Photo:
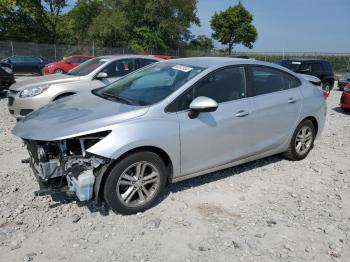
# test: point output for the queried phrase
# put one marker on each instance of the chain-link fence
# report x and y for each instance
(339, 61)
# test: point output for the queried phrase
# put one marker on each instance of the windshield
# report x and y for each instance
(88, 66)
(149, 85)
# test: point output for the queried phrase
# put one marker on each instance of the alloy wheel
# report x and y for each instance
(303, 140)
(138, 184)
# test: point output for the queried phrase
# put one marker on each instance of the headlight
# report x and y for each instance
(50, 66)
(7, 69)
(33, 91)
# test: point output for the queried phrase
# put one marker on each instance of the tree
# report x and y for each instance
(234, 26)
(201, 42)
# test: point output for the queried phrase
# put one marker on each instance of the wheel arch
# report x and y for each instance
(102, 177)
(61, 95)
(314, 122)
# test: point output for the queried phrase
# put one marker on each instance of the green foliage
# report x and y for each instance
(201, 42)
(234, 26)
(137, 24)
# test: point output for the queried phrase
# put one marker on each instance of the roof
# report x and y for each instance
(207, 62)
(129, 56)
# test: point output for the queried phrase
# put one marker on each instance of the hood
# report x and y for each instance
(74, 116)
(43, 80)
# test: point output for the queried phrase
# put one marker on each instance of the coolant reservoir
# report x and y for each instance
(84, 185)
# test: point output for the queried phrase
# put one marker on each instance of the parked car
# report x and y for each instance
(26, 64)
(345, 98)
(6, 76)
(29, 95)
(315, 67)
(66, 64)
(168, 122)
(344, 80)
(165, 57)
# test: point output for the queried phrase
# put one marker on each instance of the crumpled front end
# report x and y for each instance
(65, 165)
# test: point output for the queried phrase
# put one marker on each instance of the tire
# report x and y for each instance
(59, 71)
(296, 152)
(125, 185)
(327, 87)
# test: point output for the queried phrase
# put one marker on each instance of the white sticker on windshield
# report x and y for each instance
(296, 63)
(182, 68)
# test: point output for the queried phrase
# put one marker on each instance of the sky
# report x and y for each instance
(289, 25)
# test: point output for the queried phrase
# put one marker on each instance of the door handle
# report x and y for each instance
(292, 100)
(242, 113)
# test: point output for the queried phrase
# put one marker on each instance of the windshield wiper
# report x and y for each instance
(116, 97)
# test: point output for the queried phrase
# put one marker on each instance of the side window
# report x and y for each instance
(119, 68)
(83, 59)
(224, 85)
(305, 67)
(75, 60)
(17, 59)
(316, 68)
(268, 80)
(145, 62)
(327, 66)
(31, 59)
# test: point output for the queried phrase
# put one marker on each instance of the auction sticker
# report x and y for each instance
(182, 68)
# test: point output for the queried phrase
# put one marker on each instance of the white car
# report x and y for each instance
(29, 95)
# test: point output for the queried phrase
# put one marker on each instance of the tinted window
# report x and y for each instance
(83, 59)
(223, 85)
(119, 68)
(17, 59)
(327, 66)
(268, 80)
(316, 68)
(31, 59)
(75, 60)
(145, 62)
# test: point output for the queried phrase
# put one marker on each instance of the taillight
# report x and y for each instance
(325, 94)
(347, 88)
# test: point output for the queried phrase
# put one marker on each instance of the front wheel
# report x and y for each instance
(327, 87)
(302, 141)
(59, 71)
(135, 183)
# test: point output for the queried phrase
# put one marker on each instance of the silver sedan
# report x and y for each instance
(168, 122)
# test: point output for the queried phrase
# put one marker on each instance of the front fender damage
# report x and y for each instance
(66, 166)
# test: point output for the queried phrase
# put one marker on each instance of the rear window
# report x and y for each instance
(327, 66)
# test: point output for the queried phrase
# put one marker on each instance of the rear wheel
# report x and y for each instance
(59, 71)
(327, 87)
(135, 183)
(302, 141)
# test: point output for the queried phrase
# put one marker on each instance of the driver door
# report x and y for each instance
(216, 138)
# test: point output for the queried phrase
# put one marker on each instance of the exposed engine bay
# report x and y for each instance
(66, 164)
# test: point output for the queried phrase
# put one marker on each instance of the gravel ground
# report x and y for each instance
(267, 210)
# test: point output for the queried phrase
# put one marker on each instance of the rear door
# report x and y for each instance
(221, 137)
(276, 106)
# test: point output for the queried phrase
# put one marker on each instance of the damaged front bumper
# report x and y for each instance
(66, 165)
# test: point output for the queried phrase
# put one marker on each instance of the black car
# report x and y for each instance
(344, 80)
(26, 64)
(315, 67)
(6, 76)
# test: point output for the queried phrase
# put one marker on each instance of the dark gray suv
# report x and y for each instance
(319, 68)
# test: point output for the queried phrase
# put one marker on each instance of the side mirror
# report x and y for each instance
(101, 75)
(202, 104)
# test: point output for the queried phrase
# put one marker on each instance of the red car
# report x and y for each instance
(66, 64)
(165, 57)
(345, 98)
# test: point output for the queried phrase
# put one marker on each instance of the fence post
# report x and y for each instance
(13, 52)
(93, 47)
(54, 46)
